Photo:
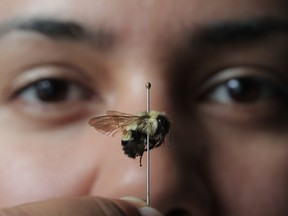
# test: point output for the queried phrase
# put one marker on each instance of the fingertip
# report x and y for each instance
(127, 207)
(149, 211)
(142, 207)
(135, 201)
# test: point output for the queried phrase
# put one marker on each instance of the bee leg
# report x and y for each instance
(140, 160)
(152, 144)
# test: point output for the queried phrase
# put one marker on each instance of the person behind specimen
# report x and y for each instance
(218, 70)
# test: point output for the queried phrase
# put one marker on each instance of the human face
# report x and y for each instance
(217, 68)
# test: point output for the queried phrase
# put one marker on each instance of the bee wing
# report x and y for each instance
(112, 123)
(117, 113)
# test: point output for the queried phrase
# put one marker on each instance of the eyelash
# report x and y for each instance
(51, 100)
(53, 90)
(245, 90)
(244, 85)
(262, 97)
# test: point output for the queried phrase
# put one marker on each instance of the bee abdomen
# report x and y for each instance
(134, 145)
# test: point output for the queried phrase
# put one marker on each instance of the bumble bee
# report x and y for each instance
(135, 129)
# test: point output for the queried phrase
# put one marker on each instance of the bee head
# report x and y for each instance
(163, 124)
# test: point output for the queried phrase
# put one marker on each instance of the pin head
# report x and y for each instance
(148, 85)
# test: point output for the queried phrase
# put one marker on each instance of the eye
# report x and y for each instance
(53, 98)
(244, 90)
(244, 86)
(245, 96)
(52, 90)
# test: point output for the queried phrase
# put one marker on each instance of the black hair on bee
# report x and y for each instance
(135, 129)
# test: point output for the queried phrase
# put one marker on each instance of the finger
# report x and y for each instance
(142, 206)
(84, 206)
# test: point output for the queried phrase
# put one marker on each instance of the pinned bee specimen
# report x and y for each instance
(135, 129)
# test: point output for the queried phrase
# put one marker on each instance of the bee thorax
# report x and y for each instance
(127, 135)
(148, 126)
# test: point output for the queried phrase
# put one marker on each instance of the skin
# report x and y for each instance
(227, 157)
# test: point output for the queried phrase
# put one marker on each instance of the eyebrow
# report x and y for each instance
(241, 31)
(60, 30)
(215, 33)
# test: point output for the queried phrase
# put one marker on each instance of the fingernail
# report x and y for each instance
(143, 209)
(149, 211)
(134, 200)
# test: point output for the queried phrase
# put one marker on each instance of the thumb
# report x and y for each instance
(75, 206)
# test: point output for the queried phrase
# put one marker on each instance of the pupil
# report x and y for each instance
(243, 89)
(51, 90)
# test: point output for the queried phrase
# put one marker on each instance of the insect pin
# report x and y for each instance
(134, 129)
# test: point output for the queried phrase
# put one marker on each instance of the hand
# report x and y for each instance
(84, 206)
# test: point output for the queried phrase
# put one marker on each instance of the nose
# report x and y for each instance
(176, 185)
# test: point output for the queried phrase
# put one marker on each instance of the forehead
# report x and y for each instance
(143, 22)
(149, 13)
